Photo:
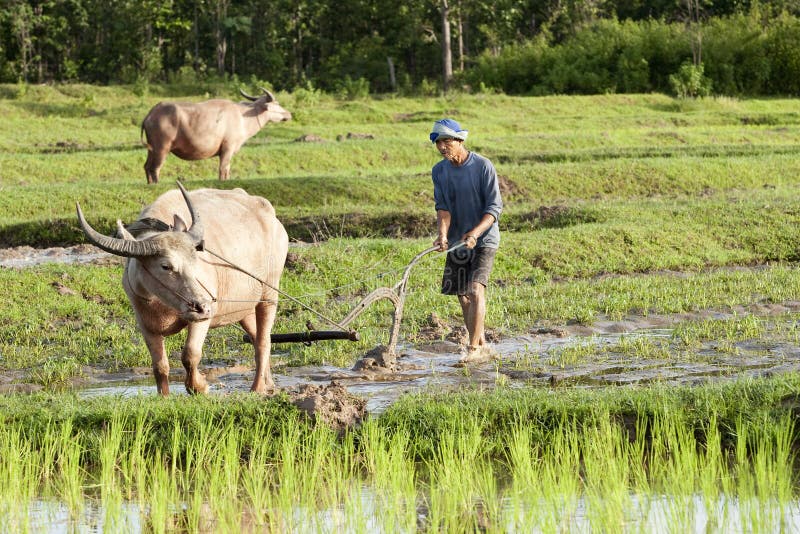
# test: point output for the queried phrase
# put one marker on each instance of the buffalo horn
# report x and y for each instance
(270, 96)
(196, 230)
(248, 97)
(119, 247)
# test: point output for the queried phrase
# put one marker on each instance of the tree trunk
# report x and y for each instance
(447, 53)
(219, 34)
(196, 61)
(392, 77)
(460, 40)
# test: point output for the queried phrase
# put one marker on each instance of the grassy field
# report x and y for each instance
(616, 205)
(716, 458)
(607, 198)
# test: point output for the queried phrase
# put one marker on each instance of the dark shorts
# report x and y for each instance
(464, 266)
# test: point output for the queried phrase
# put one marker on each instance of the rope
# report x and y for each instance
(288, 296)
(459, 244)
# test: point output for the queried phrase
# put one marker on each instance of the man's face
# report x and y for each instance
(448, 147)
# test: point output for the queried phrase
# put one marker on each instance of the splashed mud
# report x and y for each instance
(428, 361)
(532, 360)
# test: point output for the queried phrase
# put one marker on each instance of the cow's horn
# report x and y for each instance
(248, 97)
(196, 230)
(270, 95)
(119, 247)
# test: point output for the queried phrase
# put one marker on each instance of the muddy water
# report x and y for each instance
(19, 257)
(525, 360)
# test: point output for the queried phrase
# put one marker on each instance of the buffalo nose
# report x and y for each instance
(203, 308)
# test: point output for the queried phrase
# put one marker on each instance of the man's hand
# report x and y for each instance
(469, 240)
(442, 243)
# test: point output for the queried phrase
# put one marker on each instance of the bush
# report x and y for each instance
(784, 56)
(351, 89)
(734, 55)
(690, 81)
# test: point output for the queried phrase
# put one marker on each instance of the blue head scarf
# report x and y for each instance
(447, 128)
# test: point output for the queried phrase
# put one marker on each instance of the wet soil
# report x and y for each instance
(429, 361)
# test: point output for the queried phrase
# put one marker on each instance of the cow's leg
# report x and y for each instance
(155, 160)
(191, 354)
(225, 163)
(264, 319)
(155, 344)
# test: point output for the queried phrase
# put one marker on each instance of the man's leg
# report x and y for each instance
(473, 307)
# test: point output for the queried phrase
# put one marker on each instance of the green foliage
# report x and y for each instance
(690, 81)
(513, 46)
(781, 48)
(350, 89)
(735, 55)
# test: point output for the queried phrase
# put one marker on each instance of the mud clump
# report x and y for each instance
(331, 405)
(508, 188)
(378, 360)
(351, 135)
(309, 138)
(299, 264)
(433, 329)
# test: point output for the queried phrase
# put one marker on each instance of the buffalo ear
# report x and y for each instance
(178, 225)
(123, 232)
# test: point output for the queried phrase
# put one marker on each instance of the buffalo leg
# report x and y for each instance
(264, 319)
(225, 164)
(190, 356)
(155, 160)
(155, 344)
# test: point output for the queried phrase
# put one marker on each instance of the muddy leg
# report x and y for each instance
(192, 352)
(155, 344)
(473, 306)
(264, 319)
(155, 160)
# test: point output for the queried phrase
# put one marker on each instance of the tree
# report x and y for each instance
(447, 53)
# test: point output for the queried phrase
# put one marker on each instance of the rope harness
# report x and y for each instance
(396, 294)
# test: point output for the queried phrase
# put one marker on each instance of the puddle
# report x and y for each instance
(21, 257)
(524, 361)
(645, 513)
(532, 359)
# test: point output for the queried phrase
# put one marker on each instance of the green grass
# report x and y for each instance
(616, 205)
(454, 463)
(95, 326)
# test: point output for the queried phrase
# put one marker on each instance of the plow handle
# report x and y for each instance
(314, 335)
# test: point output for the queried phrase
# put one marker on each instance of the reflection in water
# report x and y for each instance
(525, 361)
(644, 513)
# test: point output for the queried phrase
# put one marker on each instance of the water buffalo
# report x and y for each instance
(174, 281)
(203, 130)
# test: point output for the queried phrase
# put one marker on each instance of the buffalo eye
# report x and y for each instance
(166, 267)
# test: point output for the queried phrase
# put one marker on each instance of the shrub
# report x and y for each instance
(353, 89)
(690, 81)
(734, 55)
(783, 52)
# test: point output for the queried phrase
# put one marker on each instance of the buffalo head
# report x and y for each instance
(167, 264)
(266, 103)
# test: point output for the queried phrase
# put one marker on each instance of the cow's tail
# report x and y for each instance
(141, 135)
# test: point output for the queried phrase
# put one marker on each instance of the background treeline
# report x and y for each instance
(733, 47)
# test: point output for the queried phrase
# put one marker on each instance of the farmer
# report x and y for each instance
(468, 205)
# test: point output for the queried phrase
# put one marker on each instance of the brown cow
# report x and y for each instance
(173, 280)
(203, 130)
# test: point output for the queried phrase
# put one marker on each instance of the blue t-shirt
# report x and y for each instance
(468, 192)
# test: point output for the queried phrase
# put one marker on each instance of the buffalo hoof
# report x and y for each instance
(197, 387)
(267, 389)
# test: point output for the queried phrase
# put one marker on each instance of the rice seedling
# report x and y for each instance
(655, 217)
(603, 461)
